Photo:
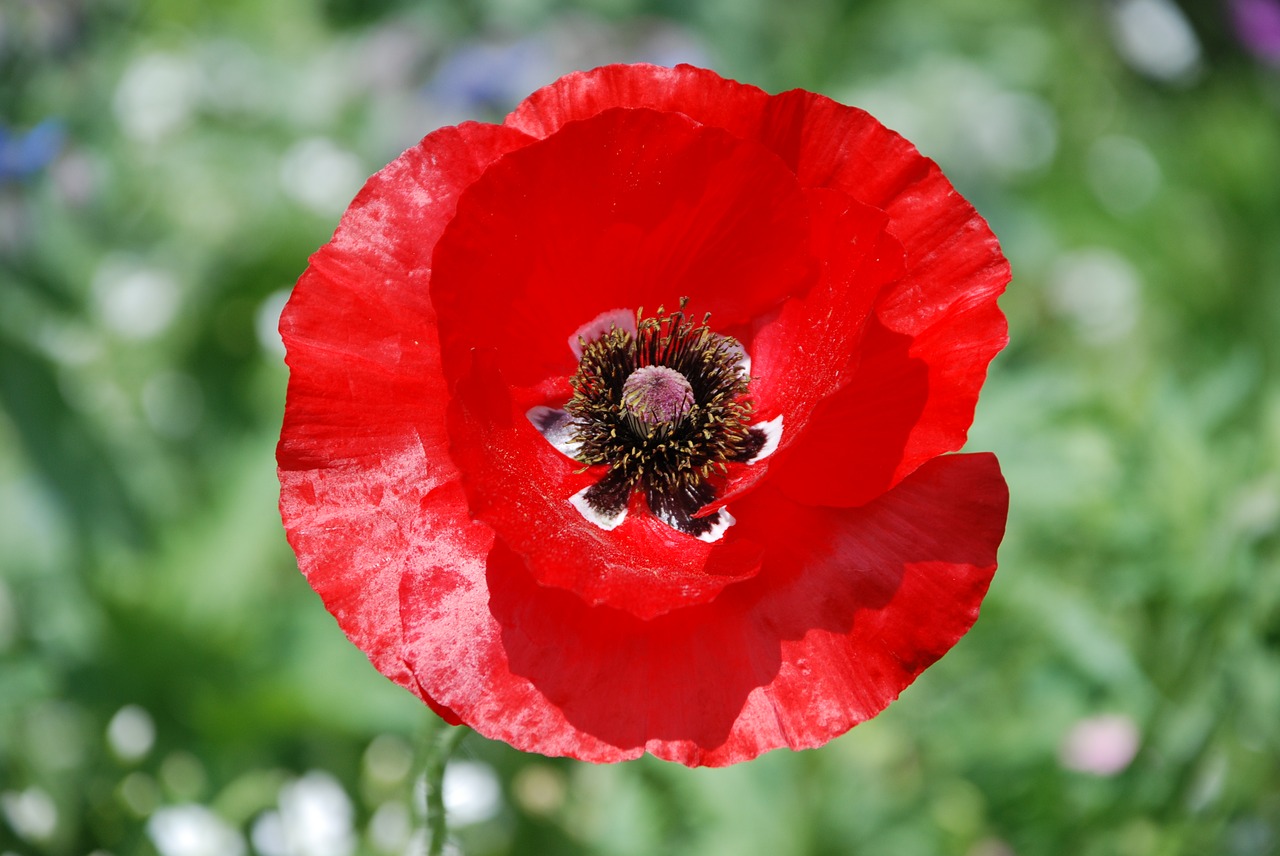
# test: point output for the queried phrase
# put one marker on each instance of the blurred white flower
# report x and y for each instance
(134, 301)
(314, 819)
(1154, 37)
(1255, 510)
(471, 792)
(960, 114)
(1100, 745)
(389, 56)
(1096, 289)
(266, 321)
(193, 830)
(68, 343)
(420, 841)
(319, 175)
(1013, 132)
(233, 76)
(75, 177)
(390, 828)
(131, 733)
(1122, 173)
(8, 618)
(155, 96)
(31, 813)
(268, 836)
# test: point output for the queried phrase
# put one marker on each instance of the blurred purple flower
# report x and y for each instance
(490, 75)
(1257, 25)
(24, 154)
(493, 74)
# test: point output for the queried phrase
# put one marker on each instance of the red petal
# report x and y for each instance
(813, 347)
(852, 605)
(890, 419)
(925, 361)
(954, 268)
(520, 485)
(630, 208)
(696, 92)
(363, 442)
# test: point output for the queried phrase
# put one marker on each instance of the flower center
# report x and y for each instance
(654, 396)
(666, 409)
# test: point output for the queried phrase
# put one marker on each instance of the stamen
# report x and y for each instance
(664, 405)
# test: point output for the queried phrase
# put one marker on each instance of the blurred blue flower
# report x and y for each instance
(491, 75)
(24, 154)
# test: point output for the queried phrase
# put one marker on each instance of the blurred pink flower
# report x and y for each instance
(1100, 745)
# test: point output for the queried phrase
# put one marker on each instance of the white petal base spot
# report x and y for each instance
(772, 437)
(557, 427)
(723, 521)
(604, 521)
(623, 319)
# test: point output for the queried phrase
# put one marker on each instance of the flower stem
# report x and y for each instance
(435, 747)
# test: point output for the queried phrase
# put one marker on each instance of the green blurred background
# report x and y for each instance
(168, 682)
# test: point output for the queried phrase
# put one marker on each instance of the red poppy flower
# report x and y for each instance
(620, 426)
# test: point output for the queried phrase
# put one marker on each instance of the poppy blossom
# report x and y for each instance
(621, 426)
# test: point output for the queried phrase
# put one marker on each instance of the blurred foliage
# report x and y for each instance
(165, 170)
